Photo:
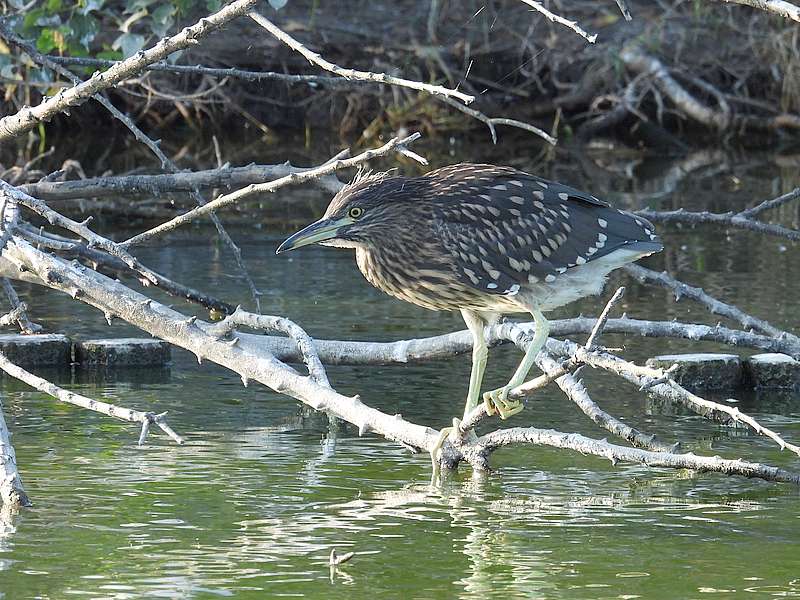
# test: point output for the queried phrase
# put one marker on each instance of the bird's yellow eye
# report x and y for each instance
(355, 212)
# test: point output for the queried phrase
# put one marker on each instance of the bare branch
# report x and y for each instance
(293, 178)
(54, 218)
(313, 81)
(112, 410)
(779, 7)
(623, 8)
(303, 341)
(182, 181)
(573, 25)
(25, 324)
(345, 352)
(636, 59)
(729, 219)
(645, 376)
(316, 59)
(492, 121)
(584, 445)
(575, 391)
(12, 493)
(717, 307)
(769, 204)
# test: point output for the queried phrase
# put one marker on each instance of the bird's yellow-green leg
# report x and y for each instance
(480, 352)
(497, 400)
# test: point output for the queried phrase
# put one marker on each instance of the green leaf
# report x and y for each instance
(129, 43)
(163, 13)
(162, 19)
(84, 29)
(31, 18)
(213, 5)
(46, 42)
(53, 6)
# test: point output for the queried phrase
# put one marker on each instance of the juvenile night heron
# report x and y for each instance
(483, 240)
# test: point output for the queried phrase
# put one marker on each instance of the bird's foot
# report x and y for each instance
(497, 402)
(444, 435)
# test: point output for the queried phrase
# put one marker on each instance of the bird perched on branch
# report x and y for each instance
(483, 240)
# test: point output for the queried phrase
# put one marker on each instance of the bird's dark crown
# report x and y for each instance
(374, 202)
(369, 190)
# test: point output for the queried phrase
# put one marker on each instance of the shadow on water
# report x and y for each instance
(251, 506)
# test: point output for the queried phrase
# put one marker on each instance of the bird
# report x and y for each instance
(484, 240)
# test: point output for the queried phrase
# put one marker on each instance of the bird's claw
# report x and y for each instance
(497, 402)
(436, 451)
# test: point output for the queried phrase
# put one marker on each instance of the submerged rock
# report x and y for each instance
(123, 352)
(705, 371)
(39, 350)
(772, 371)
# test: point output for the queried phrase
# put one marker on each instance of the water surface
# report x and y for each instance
(251, 506)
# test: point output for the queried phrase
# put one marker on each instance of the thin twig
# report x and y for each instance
(573, 25)
(269, 323)
(24, 323)
(730, 219)
(292, 178)
(769, 204)
(492, 121)
(112, 410)
(312, 81)
(316, 59)
(779, 7)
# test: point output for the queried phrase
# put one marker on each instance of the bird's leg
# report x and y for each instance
(497, 400)
(480, 352)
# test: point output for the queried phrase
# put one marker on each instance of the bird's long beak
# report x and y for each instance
(319, 231)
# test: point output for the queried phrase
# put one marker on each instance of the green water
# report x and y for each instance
(253, 503)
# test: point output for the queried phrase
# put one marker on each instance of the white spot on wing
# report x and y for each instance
(550, 278)
(603, 223)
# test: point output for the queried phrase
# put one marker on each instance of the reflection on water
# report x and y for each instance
(253, 503)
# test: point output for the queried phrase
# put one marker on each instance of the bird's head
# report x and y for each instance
(370, 207)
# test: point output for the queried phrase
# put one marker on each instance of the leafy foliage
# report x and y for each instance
(101, 28)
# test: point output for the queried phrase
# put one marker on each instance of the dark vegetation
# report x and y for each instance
(739, 65)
